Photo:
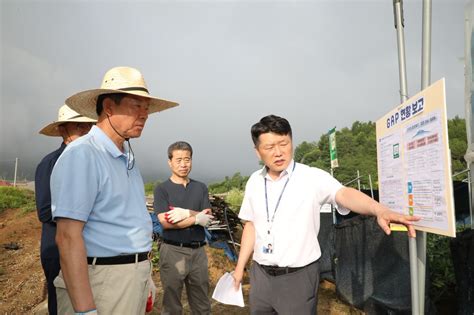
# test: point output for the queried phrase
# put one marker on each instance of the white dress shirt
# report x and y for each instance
(294, 227)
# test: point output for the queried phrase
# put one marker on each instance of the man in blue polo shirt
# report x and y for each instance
(104, 232)
(69, 126)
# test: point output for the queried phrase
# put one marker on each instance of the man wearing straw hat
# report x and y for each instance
(104, 230)
(69, 126)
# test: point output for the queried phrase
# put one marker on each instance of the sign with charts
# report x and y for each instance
(414, 162)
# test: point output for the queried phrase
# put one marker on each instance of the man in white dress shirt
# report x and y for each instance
(281, 213)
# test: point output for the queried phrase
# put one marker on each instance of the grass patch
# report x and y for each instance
(17, 198)
(150, 187)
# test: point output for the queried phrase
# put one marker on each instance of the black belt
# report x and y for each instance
(189, 245)
(118, 260)
(276, 271)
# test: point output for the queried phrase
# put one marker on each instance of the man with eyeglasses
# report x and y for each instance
(69, 126)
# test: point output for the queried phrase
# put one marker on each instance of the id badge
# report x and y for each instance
(268, 244)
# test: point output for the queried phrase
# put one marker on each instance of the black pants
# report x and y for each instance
(50, 263)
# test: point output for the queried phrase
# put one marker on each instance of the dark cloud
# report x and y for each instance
(318, 63)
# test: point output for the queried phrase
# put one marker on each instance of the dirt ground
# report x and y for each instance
(22, 284)
(21, 276)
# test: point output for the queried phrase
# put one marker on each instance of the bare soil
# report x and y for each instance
(22, 283)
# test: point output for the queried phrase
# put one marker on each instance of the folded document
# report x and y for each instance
(226, 293)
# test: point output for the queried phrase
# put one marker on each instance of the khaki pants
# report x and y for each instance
(117, 289)
(184, 266)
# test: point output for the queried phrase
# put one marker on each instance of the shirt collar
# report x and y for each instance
(288, 171)
(108, 144)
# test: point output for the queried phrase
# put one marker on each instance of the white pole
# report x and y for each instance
(398, 9)
(469, 105)
(371, 187)
(333, 210)
(358, 179)
(425, 82)
(16, 169)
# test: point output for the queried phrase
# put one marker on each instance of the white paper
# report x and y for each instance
(226, 293)
(426, 169)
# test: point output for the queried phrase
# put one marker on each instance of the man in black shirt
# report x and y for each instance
(70, 126)
(183, 208)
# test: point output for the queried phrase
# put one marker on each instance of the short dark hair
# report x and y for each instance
(179, 145)
(116, 97)
(270, 123)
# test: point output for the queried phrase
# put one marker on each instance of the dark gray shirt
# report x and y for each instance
(194, 196)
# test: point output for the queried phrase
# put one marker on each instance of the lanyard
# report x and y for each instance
(279, 198)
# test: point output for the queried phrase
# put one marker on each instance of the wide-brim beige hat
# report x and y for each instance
(117, 80)
(65, 114)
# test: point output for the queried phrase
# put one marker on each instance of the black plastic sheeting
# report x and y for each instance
(326, 242)
(371, 270)
(372, 265)
(462, 251)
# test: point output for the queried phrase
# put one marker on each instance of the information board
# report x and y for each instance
(414, 163)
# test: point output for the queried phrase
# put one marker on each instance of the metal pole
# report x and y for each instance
(469, 185)
(398, 11)
(426, 46)
(371, 187)
(333, 210)
(425, 82)
(469, 105)
(358, 180)
(16, 169)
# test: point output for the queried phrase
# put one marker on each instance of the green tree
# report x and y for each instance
(236, 181)
(457, 144)
(357, 150)
(303, 149)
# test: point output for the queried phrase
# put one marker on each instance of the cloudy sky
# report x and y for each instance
(320, 64)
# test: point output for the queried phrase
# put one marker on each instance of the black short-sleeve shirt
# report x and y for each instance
(194, 196)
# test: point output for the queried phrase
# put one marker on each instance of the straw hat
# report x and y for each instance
(117, 80)
(65, 114)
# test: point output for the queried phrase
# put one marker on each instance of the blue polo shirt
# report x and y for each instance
(90, 183)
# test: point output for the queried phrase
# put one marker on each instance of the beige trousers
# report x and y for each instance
(117, 289)
(181, 266)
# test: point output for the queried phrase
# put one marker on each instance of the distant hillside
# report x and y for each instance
(357, 150)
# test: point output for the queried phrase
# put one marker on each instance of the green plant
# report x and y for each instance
(17, 198)
(155, 256)
(236, 181)
(150, 187)
(234, 198)
(440, 265)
